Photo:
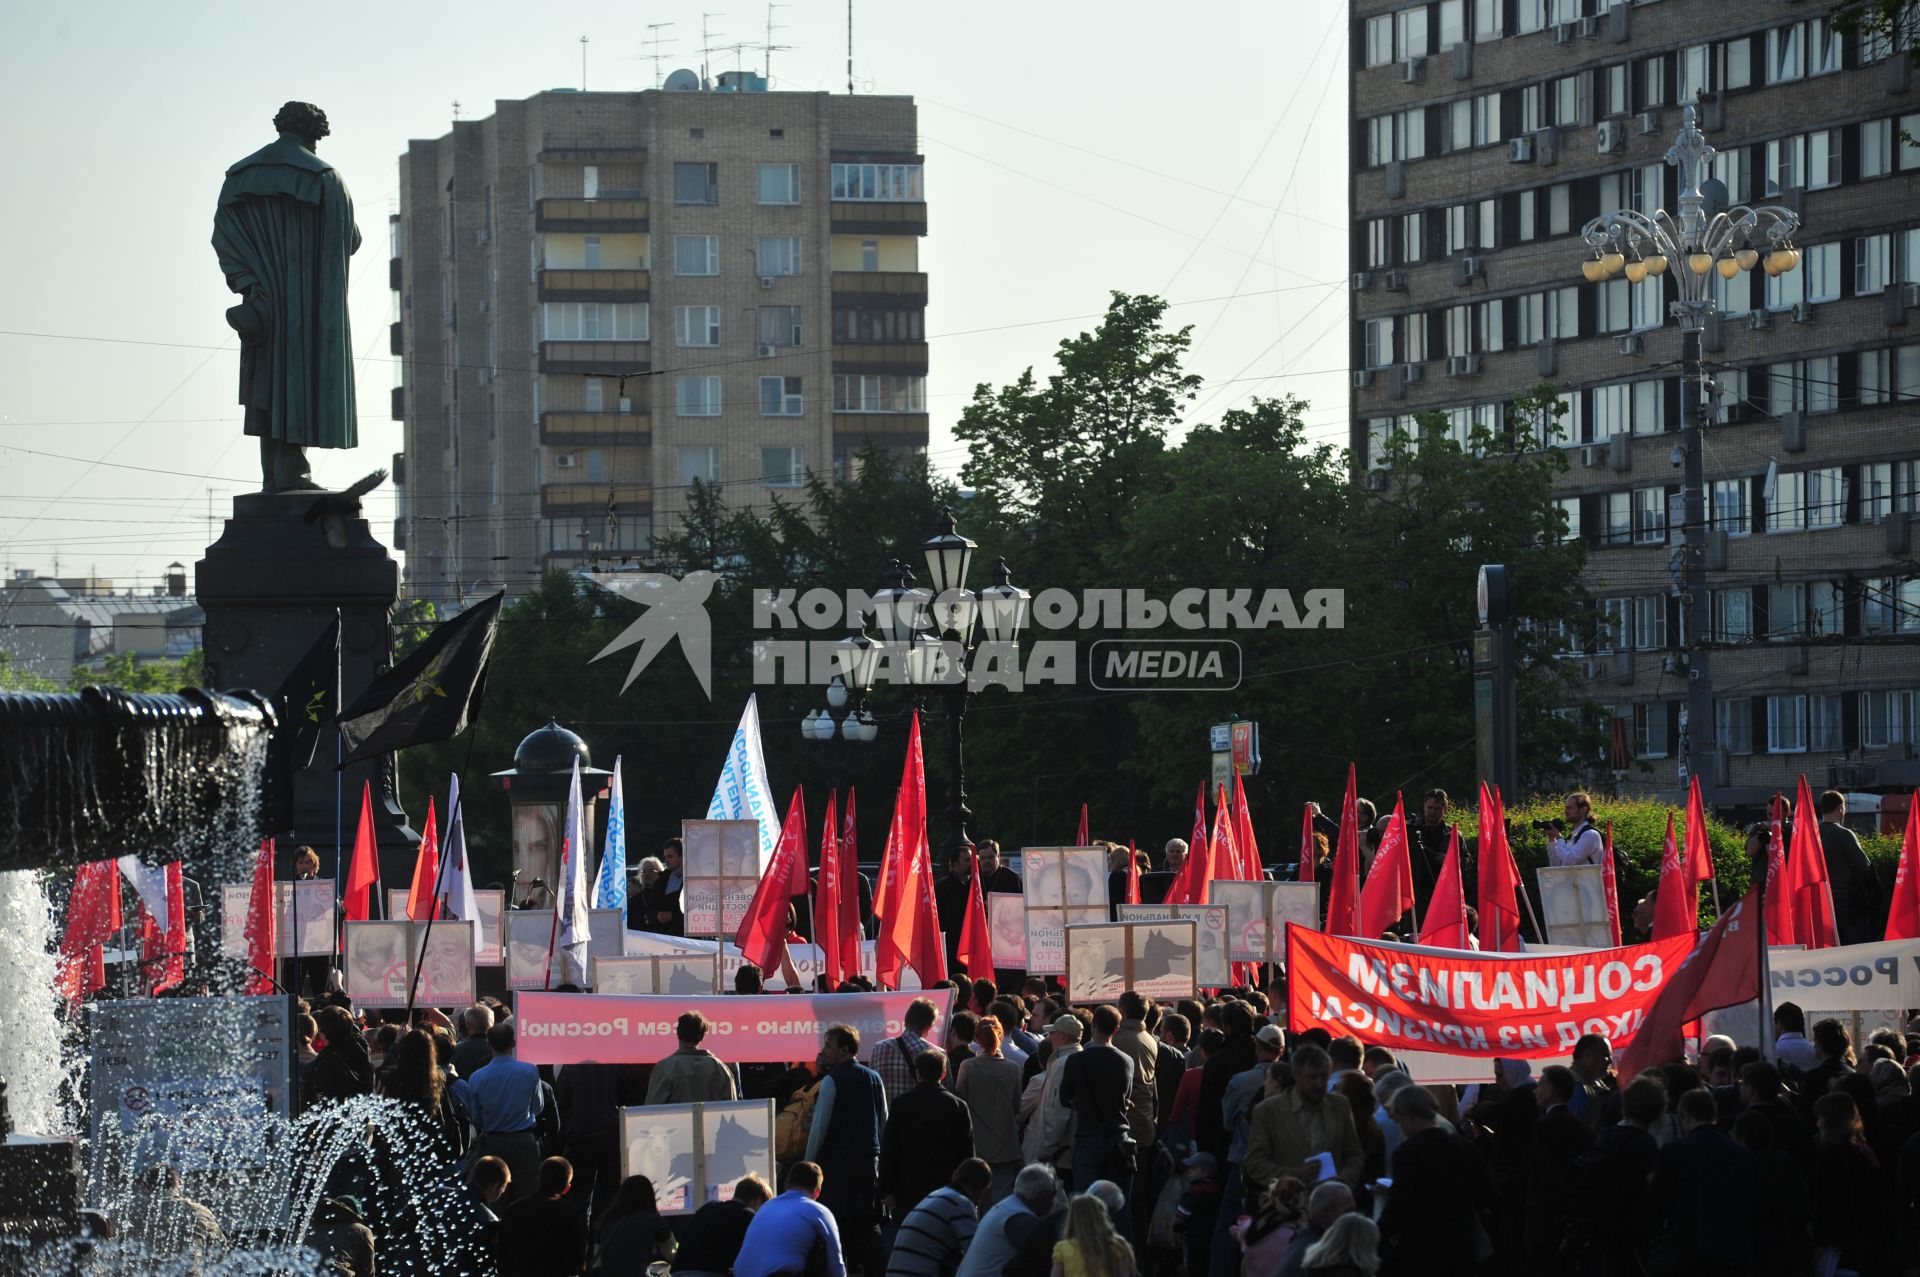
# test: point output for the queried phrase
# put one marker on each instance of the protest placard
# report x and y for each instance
(1061, 886)
(1211, 967)
(530, 936)
(720, 862)
(1007, 920)
(308, 902)
(677, 974)
(696, 1153)
(1573, 905)
(1154, 959)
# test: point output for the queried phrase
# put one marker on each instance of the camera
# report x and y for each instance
(1547, 826)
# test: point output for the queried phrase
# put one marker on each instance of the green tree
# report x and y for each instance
(127, 672)
(15, 679)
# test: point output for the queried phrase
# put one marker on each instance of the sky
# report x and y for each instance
(1072, 149)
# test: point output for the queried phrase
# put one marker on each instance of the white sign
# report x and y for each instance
(1007, 920)
(1062, 887)
(530, 938)
(1212, 967)
(1573, 905)
(697, 1153)
(378, 970)
(721, 861)
(311, 939)
(1155, 959)
(489, 901)
(680, 974)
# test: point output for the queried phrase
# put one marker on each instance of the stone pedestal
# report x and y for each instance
(270, 585)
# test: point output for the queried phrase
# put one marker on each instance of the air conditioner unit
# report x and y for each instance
(1760, 320)
(766, 349)
(1589, 27)
(1596, 455)
(482, 236)
(1362, 378)
(1396, 281)
(1410, 373)
(485, 305)
(1803, 312)
(1468, 268)
(1590, 670)
(1377, 480)
(1564, 32)
(1612, 135)
(1362, 280)
(1546, 145)
(1648, 121)
(563, 461)
(1520, 150)
(486, 376)
(766, 281)
(1911, 294)
(1413, 70)
(1630, 344)
(1463, 366)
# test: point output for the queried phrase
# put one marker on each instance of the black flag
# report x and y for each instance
(309, 696)
(431, 695)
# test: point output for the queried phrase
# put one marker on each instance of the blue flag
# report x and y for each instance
(610, 888)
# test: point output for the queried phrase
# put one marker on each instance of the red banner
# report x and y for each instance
(1491, 1006)
(608, 1028)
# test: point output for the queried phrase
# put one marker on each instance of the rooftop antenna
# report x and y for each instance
(211, 493)
(456, 108)
(653, 38)
(707, 46)
(849, 48)
(583, 64)
(770, 48)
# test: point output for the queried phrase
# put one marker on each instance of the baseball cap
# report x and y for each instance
(1066, 1026)
(1271, 1036)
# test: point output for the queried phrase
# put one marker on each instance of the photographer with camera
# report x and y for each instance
(1576, 842)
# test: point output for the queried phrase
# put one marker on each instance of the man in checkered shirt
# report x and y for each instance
(893, 1058)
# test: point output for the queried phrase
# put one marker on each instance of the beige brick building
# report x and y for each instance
(1487, 133)
(603, 297)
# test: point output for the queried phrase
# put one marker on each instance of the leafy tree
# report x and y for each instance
(127, 672)
(15, 679)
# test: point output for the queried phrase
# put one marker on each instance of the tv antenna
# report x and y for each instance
(770, 48)
(657, 44)
(583, 64)
(707, 47)
(456, 108)
(849, 48)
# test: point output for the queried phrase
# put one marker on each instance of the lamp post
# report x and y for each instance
(846, 723)
(1698, 245)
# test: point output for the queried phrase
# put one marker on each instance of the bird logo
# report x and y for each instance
(674, 609)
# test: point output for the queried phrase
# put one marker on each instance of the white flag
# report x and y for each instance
(575, 926)
(610, 888)
(150, 885)
(743, 793)
(456, 875)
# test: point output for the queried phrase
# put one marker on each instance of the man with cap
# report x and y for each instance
(1050, 1126)
(1244, 1090)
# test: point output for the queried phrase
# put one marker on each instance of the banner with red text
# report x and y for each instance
(1491, 1006)
(598, 1028)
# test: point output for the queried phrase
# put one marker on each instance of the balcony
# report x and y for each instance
(880, 285)
(399, 403)
(593, 285)
(879, 217)
(887, 429)
(596, 358)
(565, 500)
(396, 339)
(595, 429)
(906, 357)
(592, 216)
(396, 274)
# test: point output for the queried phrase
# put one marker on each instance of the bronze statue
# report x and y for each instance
(283, 231)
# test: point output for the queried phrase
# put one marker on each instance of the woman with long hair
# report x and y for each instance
(630, 1234)
(1349, 1248)
(1091, 1247)
(412, 1075)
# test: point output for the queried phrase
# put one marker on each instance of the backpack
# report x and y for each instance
(790, 1128)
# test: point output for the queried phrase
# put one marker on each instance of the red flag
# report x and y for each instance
(976, 940)
(1343, 898)
(799, 872)
(363, 869)
(1722, 971)
(1676, 910)
(1080, 836)
(762, 937)
(826, 900)
(1133, 873)
(1243, 834)
(1446, 922)
(1388, 892)
(1699, 849)
(851, 931)
(909, 925)
(1613, 890)
(262, 946)
(164, 953)
(1499, 877)
(1199, 854)
(1225, 860)
(1807, 883)
(421, 902)
(93, 915)
(1309, 849)
(1903, 918)
(1780, 929)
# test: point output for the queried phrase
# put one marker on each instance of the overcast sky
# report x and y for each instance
(1072, 148)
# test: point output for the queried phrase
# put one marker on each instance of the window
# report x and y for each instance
(1616, 621)
(1691, 68)
(877, 393)
(1650, 623)
(782, 467)
(1876, 148)
(1413, 238)
(1410, 32)
(1612, 313)
(1650, 516)
(779, 184)
(593, 321)
(697, 396)
(1786, 512)
(1650, 729)
(1732, 616)
(696, 325)
(1876, 491)
(1529, 16)
(1872, 264)
(1821, 265)
(1730, 166)
(877, 182)
(1486, 120)
(781, 397)
(1731, 506)
(1736, 64)
(596, 465)
(1400, 136)
(1569, 508)
(1823, 724)
(700, 465)
(1823, 47)
(1550, 316)
(1887, 718)
(1786, 54)
(1653, 82)
(1823, 159)
(1559, 208)
(1377, 340)
(696, 183)
(1533, 108)
(780, 254)
(1619, 507)
(853, 323)
(1487, 17)
(778, 326)
(1784, 292)
(590, 253)
(1787, 610)
(1786, 724)
(1826, 607)
(1379, 41)
(1826, 497)
(696, 254)
(1786, 164)
(1809, 385)
(1733, 725)
(1453, 22)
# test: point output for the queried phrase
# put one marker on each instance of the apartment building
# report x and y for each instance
(1487, 133)
(602, 298)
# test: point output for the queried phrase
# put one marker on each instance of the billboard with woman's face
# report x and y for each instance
(536, 853)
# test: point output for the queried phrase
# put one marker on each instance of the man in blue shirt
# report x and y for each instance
(789, 1229)
(506, 1101)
